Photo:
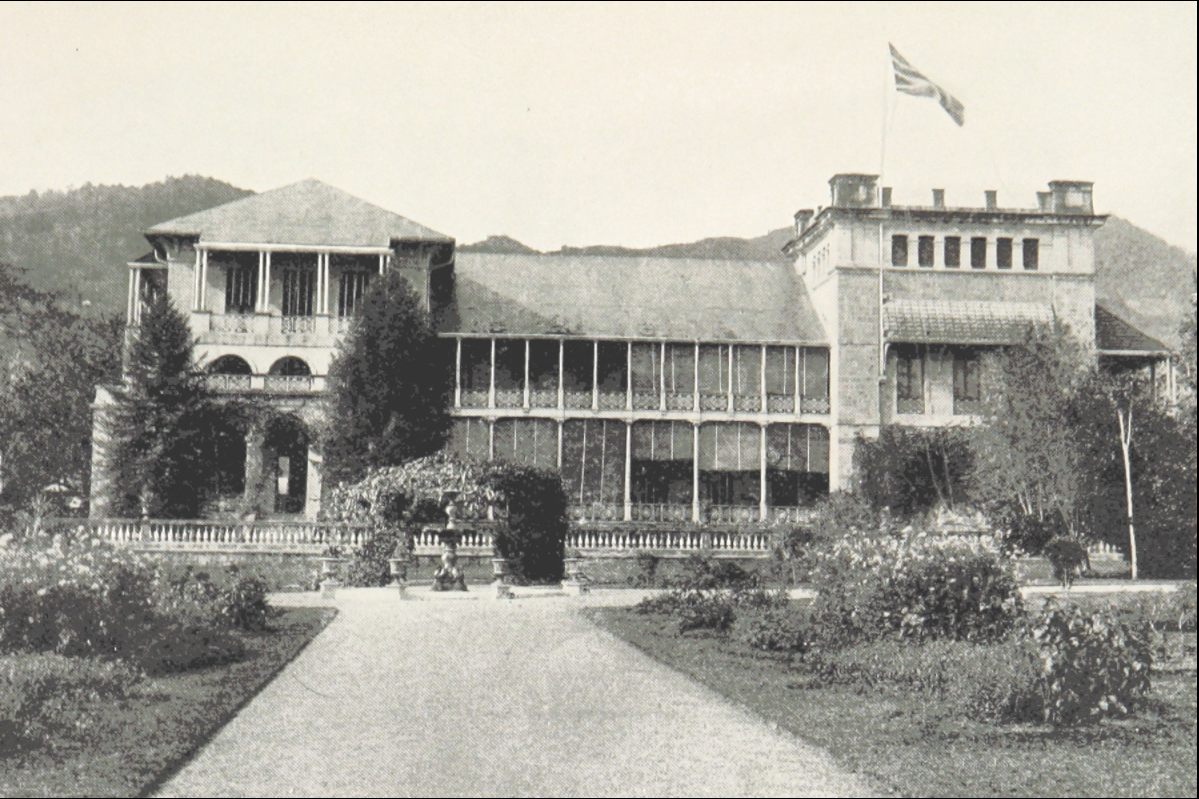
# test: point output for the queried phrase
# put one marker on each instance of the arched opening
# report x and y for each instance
(290, 366)
(286, 460)
(229, 365)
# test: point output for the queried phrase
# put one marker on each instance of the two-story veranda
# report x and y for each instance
(664, 390)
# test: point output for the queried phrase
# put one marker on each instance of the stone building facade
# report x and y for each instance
(666, 390)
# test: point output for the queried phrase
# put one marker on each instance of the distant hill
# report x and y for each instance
(79, 240)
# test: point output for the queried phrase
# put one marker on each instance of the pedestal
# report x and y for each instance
(575, 583)
(449, 576)
(499, 586)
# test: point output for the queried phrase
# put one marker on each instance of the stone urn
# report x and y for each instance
(329, 568)
(449, 576)
(499, 573)
(575, 582)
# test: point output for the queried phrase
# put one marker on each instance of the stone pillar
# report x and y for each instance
(312, 498)
(254, 501)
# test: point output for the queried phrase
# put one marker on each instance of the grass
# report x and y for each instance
(885, 737)
(130, 747)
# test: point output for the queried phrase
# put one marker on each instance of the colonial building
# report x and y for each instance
(664, 389)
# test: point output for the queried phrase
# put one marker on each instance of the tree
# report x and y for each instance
(1032, 452)
(53, 358)
(162, 424)
(389, 385)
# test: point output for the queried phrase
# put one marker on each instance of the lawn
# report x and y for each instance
(883, 735)
(128, 748)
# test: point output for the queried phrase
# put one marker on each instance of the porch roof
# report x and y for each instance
(680, 299)
(308, 213)
(962, 321)
(1113, 334)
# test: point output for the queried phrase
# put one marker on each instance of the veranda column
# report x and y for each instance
(801, 372)
(595, 375)
(560, 425)
(258, 298)
(204, 281)
(762, 508)
(662, 395)
(628, 378)
(322, 270)
(762, 373)
(695, 472)
(525, 397)
(628, 472)
(382, 263)
(695, 382)
(561, 384)
(731, 406)
(266, 282)
(129, 300)
(491, 385)
(196, 281)
(458, 372)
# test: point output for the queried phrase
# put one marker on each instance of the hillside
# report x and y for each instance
(78, 240)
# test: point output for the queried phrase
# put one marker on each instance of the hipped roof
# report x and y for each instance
(962, 321)
(679, 299)
(308, 213)
(1113, 334)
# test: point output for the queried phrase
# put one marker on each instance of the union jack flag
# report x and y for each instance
(909, 80)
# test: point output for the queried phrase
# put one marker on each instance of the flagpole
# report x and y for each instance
(882, 163)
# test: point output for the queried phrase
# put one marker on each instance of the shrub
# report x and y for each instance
(771, 629)
(42, 693)
(911, 470)
(1092, 664)
(914, 587)
(231, 600)
(705, 573)
(367, 564)
(533, 538)
(645, 574)
(1067, 556)
(704, 611)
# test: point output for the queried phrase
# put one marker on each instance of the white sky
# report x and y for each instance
(614, 124)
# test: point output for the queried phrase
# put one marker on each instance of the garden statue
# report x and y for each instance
(449, 576)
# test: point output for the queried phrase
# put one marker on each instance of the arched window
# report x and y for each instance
(291, 366)
(229, 365)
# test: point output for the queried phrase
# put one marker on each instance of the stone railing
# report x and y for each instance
(624, 539)
(205, 534)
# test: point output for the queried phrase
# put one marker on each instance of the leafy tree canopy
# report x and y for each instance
(389, 385)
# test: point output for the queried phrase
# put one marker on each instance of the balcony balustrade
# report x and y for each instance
(643, 512)
(780, 403)
(713, 402)
(509, 398)
(289, 325)
(680, 402)
(290, 384)
(733, 514)
(647, 402)
(749, 403)
(229, 383)
(473, 398)
(814, 405)
(612, 401)
(543, 398)
(578, 400)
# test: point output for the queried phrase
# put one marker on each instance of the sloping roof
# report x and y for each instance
(306, 213)
(679, 299)
(961, 322)
(1113, 334)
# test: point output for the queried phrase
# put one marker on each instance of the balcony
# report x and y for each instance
(265, 384)
(237, 328)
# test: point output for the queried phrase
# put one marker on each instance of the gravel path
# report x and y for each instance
(477, 697)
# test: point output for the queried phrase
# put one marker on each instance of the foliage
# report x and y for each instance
(53, 357)
(705, 573)
(914, 587)
(699, 610)
(163, 422)
(772, 629)
(389, 385)
(997, 682)
(83, 598)
(530, 503)
(1092, 664)
(367, 564)
(41, 694)
(911, 470)
(645, 570)
(1031, 454)
(533, 535)
(1067, 557)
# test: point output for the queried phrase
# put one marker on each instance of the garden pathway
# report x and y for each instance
(519, 698)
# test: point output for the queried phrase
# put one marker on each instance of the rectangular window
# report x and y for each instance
(967, 382)
(351, 288)
(909, 381)
(899, 251)
(241, 289)
(1032, 254)
(953, 251)
(924, 251)
(1003, 253)
(299, 290)
(978, 253)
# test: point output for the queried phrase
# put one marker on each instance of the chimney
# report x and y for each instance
(886, 197)
(1072, 196)
(992, 199)
(1044, 201)
(854, 191)
(803, 218)
(938, 198)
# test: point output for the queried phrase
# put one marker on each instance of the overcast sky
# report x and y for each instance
(614, 124)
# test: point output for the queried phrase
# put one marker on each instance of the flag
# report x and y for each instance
(909, 81)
